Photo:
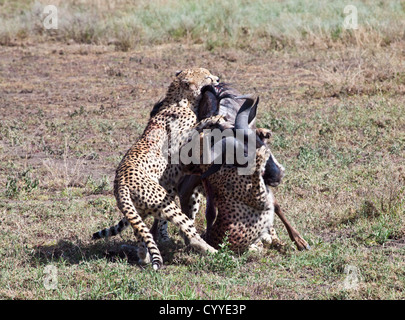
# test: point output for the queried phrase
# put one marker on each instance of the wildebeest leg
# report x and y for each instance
(154, 229)
(294, 234)
(185, 191)
(210, 211)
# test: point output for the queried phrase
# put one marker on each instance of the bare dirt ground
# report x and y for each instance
(59, 82)
(53, 83)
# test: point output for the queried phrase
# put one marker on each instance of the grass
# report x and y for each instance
(269, 24)
(69, 110)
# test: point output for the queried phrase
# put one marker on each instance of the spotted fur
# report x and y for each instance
(245, 203)
(145, 179)
(245, 206)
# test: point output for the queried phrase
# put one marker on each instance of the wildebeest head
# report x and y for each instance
(239, 111)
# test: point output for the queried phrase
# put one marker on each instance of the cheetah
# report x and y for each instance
(245, 214)
(234, 207)
(242, 208)
(145, 178)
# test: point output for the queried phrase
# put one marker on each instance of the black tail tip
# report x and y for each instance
(96, 236)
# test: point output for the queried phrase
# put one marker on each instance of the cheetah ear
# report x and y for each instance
(178, 72)
(262, 155)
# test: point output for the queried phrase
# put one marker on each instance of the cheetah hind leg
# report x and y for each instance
(141, 231)
(142, 251)
(190, 200)
(267, 240)
(159, 228)
(190, 207)
(186, 225)
(271, 239)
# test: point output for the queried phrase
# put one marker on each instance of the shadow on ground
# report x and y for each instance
(75, 252)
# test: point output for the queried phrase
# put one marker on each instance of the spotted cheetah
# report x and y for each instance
(245, 203)
(145, 179)
(253, 218)
(245, 206)
(242, 207)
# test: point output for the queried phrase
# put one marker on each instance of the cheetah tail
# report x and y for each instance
(111, 231)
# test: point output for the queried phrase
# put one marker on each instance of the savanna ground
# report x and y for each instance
(73, 100)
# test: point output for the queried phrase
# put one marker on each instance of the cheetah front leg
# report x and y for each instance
(162, 206)
(217, 121)
(173, 214)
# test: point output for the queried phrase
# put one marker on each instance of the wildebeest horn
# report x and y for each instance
(245, 116)
(211, 170)
(242, 118)
(218, 151)
(252, 114)
(244, 112)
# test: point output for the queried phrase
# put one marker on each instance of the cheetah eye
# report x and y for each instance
(213, 79)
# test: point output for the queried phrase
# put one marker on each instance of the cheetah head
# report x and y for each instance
(188, 83)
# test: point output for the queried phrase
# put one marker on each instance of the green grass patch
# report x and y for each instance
(232, 23)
